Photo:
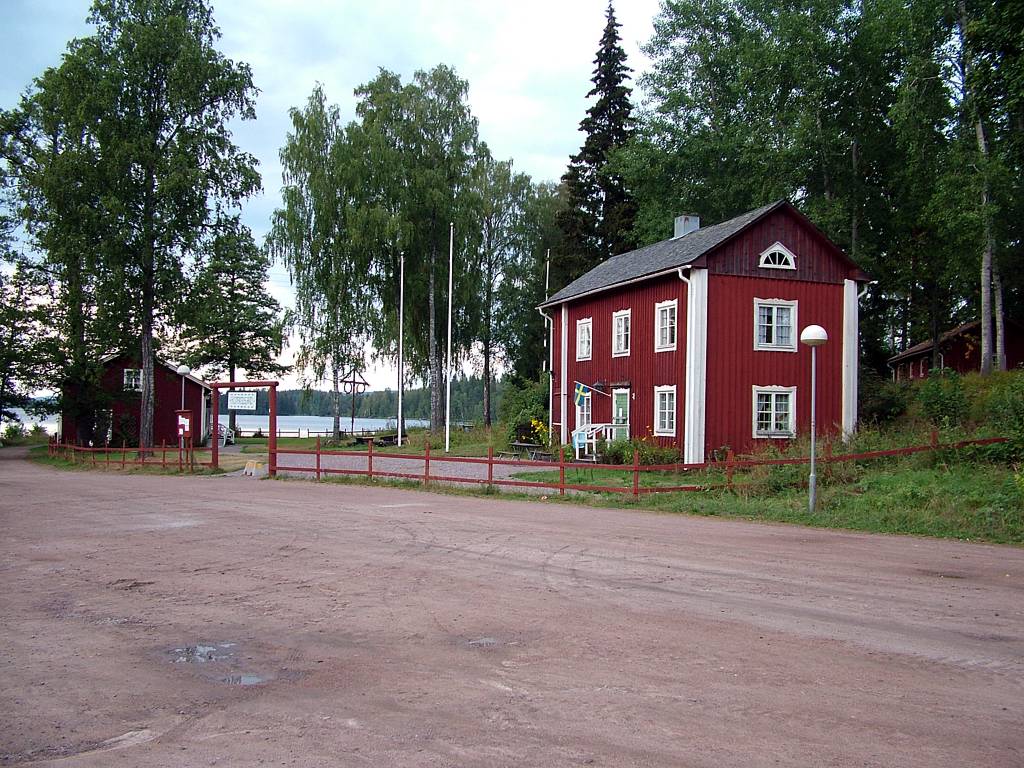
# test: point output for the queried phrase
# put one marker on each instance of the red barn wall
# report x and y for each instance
(734, 366)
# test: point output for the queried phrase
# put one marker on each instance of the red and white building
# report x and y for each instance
(694, 341)
(959, 349)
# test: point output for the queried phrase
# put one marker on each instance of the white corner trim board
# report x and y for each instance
(563, 409)
(851, 343)
(696, 371)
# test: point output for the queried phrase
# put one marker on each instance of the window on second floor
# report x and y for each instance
(620, 333)
(777, 256)
(665, 326)
(775, 324)
(584, 339)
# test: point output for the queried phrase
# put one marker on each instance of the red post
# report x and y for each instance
(163, 454)
(729, 469)
(92, 453)
(215, 434)
(181, 442)
(318, 458)
(935, 438)
(426, 465)
(561, 470)
(369, 458)
(490, 465)
(272, 447)
(106, 454)
(124, 452)
(636, 473)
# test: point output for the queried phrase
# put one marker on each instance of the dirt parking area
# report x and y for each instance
(164, 621)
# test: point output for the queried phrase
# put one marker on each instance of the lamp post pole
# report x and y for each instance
(183, 371)
(813, 336)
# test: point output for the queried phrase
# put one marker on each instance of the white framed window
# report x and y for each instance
(774, 411)
(133, 379)
(665, 411)
(777, 256)
(584, 339)
(583, 412)
(665, 326)
(620, 333)
(775, 325)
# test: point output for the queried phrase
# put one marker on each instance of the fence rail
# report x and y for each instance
(186, 460)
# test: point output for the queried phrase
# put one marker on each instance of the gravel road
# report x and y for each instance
(165, 621)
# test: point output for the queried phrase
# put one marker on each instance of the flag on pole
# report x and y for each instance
(582, 392)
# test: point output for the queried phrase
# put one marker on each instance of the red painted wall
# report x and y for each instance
(642, 370)
(734, 366)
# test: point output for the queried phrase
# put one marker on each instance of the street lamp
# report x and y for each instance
(183, 371)
(813, 336)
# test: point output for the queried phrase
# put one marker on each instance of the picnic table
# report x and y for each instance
(377, 439)
(532, 451)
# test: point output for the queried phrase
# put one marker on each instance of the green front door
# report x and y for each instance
(620, 413)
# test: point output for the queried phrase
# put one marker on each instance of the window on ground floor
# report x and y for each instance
(665, 411)
(774, 411)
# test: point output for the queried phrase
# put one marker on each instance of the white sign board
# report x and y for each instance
(242, 401)
(182, 425)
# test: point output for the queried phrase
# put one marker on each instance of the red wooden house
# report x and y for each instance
(959, 349)
(694, 341)
(122, 381)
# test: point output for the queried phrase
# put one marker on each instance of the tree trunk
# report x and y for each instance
(854, 218)
(436, 367)
(148, 301)
(335, 403)
(986, 260)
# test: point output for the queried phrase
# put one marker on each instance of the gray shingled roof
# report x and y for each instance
(657, 258)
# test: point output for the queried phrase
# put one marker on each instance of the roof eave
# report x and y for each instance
(613, 286)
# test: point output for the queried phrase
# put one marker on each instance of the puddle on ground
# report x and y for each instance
(201, 654)
(243, 680)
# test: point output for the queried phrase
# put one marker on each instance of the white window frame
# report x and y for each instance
(775, 304)
(659, 431)
(126, 385)
(585, 322)
(789, 258)
(622, 314)
(774, 390)
(586, 408)
(674, 304)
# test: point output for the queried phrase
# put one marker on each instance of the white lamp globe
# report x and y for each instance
(813, 336)
(184, 370)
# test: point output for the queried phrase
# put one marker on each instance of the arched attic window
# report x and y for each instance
(777, 256)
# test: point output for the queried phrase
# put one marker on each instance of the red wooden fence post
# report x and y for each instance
(426, 465)
(935, 438)
(729, 469)
(124, 445)
(561, 470)
(490, 465)
(369, 460)
(163, 453)
(636, 473)
(106, 455)
(318, 458)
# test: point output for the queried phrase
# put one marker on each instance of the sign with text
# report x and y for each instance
(242, 401)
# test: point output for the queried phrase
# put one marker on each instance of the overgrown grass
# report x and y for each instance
(83, 462)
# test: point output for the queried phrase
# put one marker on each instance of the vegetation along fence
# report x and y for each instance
(426, 468)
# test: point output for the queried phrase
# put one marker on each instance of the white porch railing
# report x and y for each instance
(584, 439)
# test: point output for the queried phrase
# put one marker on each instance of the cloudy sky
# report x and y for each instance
(528, 65)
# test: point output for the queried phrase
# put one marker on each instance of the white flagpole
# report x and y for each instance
(448, 395)
(401, 336)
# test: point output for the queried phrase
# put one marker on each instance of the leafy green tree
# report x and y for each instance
(25, 341)
(312, 234)
(418, 150)
(140, 112)
(503, 197)
(230, 321)
(598, 222)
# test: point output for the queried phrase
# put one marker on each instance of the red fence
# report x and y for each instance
(169, 456)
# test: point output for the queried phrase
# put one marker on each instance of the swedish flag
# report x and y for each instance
(582, 390)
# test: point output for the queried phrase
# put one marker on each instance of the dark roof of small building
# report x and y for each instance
(960, 330)
(659, 257)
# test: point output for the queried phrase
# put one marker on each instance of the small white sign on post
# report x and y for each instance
(242, 401)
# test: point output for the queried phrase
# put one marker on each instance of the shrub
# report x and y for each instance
(523, 405)
(882, 401)
(1006, 415)
(621, 452)
(942, 398)
(14, 432)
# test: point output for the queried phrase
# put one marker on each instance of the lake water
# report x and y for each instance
(249, 423)
(307, 424)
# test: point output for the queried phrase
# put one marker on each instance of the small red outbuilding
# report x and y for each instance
(122, 382)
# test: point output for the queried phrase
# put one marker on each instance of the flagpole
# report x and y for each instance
(401, 335)
(448, 394)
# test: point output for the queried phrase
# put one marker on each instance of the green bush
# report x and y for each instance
(621, 452)
(882, 401)
(942, 398)
(14, 432)
(522, 405)
(1006, 416)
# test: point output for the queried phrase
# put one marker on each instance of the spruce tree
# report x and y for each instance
(598, 223)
